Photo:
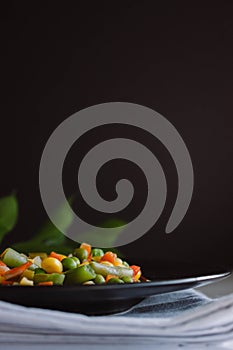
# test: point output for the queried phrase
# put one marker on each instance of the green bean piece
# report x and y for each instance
(81, 254)
(12, 258)
(56, 278)
(105, 270)
(68, 264)
(99, 279)
(79, 275)
(115, 280)
(127, 279)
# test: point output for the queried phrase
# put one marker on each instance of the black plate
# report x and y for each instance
(99, 299)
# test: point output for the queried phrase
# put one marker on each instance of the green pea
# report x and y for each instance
(125, 263)
(127, 279)
(115, 280)
(39, 270)
(99, 279)
(68, 264)
(81, 254)
(76, 260)
(96, 254)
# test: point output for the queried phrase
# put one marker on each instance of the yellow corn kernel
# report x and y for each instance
(51, 265)
(29, 274)
(118, 262)
(42, 255)
(96, 258)
(137, 276)
(84, 263)
(25, 282)
(106, 263)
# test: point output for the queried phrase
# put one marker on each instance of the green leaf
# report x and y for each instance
(8, 214)
(49, 237)
(50, 233)
(34, 246)
(108, 239)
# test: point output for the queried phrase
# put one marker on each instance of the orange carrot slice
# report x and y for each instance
(135, 269)
(57, 256)
(109, 256)
(48, 283)
(108, 277)
(3, 269)
(87, 247)
(16, 271)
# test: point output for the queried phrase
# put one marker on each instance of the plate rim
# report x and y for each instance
(151, 283)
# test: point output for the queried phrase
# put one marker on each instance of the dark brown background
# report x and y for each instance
(175, 57)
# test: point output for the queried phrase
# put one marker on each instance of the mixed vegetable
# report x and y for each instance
(86, 265)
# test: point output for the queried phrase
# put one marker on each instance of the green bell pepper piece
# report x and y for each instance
(56, 278)
(79, 275)
(12, 258)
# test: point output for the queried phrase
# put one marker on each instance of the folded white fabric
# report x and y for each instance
(183, 317)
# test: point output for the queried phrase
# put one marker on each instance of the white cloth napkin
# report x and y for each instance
(179, 318)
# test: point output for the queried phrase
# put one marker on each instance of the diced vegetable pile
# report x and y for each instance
(86, 265)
